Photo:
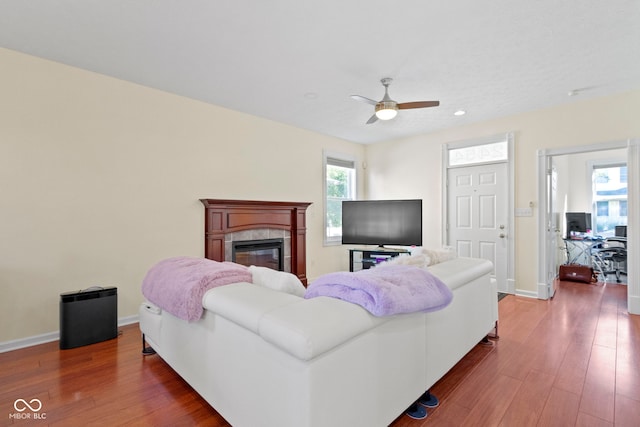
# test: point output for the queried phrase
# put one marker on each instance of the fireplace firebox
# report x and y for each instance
(261, 253)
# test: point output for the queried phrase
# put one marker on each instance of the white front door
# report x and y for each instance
(478, 215)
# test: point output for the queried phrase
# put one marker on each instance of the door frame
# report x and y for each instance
(633, 218)
(511, 232)
(551, 225)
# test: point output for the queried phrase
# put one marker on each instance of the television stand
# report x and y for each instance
(363, 259)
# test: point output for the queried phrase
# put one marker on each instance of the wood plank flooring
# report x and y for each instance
(571, 361)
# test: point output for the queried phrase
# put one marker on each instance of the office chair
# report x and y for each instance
(609, 260)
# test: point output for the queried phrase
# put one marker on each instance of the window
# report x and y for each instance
(339, 185)
(609, 184)
(623, 208)
(475, 154)
(602, 209)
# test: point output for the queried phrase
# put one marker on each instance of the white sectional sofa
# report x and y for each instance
(266, 358)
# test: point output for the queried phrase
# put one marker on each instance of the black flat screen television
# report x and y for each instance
(382, 222)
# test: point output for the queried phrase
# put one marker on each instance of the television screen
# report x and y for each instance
(382, 222)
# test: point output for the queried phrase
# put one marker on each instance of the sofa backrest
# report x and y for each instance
(303, 328)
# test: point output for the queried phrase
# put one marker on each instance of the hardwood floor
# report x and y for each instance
(571, 361)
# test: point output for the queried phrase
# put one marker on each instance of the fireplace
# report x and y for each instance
(261, 253)
(231, 221)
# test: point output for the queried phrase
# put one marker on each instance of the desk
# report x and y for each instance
(616, 241)
(579, 251)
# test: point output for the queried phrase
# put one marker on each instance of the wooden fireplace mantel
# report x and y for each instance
(228, 216)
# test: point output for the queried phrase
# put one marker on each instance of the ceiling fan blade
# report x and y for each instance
(364, 99)
(418, 104)
(372, 119)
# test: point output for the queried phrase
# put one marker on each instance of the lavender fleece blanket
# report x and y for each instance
(385, 291)
(178, 284)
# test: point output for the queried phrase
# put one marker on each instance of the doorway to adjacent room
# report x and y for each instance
(554, 202)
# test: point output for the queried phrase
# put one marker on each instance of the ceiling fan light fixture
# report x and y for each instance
(386, 110)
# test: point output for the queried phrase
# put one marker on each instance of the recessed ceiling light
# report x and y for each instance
(460, 113)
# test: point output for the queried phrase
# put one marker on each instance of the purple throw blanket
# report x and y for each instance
(177, 285)
(385, 290)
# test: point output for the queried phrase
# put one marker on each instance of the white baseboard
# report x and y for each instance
(29, 341)
(528, 294)
(51, 336)
(543, 291)
(634, 304)
(128, 320)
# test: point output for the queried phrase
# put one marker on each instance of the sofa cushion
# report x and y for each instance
(245, 303)
(311, 327)
(436, 256)
(460, 271)
(277, 280)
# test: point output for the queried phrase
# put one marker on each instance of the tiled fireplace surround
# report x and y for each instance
(260, 234)
(227, 221)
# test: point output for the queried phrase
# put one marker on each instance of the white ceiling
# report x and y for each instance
(297, 61)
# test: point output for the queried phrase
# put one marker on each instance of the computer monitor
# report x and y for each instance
(621, 231)
(578, 223)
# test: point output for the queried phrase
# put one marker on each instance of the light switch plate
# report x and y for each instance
(524, 212)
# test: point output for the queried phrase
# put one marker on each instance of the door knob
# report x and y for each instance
(502, 235)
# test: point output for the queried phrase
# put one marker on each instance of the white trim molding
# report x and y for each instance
(633, 227)
(544, 291)
(633, 218)
(509, 138)
(527, 294)
(51, 336)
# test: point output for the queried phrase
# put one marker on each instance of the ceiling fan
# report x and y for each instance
(387, 108)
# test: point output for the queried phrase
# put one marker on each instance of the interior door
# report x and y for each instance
(553, 229)
(477, 224)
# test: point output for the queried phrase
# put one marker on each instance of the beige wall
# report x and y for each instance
(412, 166)
(101, 179)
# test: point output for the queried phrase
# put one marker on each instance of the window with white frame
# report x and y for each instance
(339, 185)
(483, 153)
(609, 184)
